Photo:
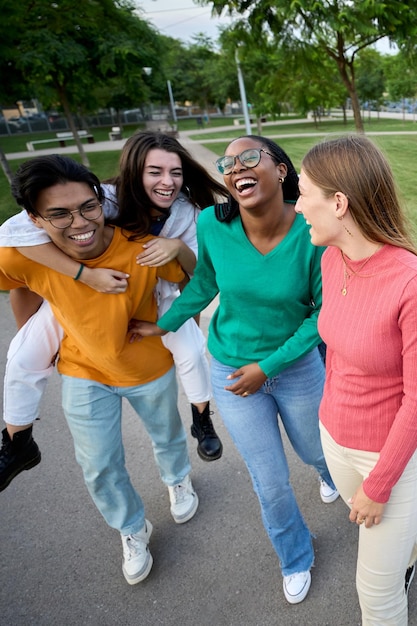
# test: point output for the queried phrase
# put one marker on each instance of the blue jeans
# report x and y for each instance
(93, 412)
(253, 425)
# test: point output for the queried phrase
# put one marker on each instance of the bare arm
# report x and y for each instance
(160, 251)
(99, 279)
(24, 304)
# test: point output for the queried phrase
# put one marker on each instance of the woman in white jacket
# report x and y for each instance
(160, 190)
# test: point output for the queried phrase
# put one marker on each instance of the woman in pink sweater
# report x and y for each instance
(368, 414)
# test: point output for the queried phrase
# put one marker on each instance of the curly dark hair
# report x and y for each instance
(228, 211)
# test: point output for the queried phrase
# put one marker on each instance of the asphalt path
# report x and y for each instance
(61, 564)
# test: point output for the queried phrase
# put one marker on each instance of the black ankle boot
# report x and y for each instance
(17, 454)
(209, 446)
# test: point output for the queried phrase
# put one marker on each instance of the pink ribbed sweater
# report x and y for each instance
(370, 395)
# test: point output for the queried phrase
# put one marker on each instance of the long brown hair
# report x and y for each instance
(133, 202)
(354, 165)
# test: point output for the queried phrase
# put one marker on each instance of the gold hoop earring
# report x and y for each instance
(346, 229)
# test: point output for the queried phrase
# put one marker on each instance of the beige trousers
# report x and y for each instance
(384, 551)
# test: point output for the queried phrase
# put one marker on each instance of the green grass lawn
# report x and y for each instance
(400, 149)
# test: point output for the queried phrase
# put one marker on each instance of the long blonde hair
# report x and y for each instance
(353, 165)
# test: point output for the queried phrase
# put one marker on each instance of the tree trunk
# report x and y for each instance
(71, 124)
(349, 81)
(5, 166)
(356, 110)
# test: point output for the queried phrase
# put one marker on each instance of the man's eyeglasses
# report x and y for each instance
(249, 158)
(62, 218)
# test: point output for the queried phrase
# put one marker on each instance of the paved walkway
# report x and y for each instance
(204, 155)
(61, 564)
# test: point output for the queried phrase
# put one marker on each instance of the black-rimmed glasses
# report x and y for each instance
(63, 218)
(248, 158)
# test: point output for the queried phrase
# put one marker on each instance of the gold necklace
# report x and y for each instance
(346, 267)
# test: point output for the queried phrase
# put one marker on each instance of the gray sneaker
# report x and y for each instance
(184, 501)
(137, 560)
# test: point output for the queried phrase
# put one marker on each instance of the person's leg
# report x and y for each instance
(298, 391)
(29, 364)
(28, 367)
(188, 348)
(93, 413)
(253, 425)
(156, 404)
(385, 551)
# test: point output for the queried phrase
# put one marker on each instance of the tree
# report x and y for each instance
(370, 78)
(401, 73)
(338, 28)
(70, 49)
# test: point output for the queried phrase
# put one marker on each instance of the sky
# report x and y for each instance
(181, 19)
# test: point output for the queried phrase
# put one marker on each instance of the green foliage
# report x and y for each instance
(68, 52)
(338, 30)
(370, 77)
(401, 76)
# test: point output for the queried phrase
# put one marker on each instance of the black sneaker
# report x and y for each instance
(409, 575)
(17, 454)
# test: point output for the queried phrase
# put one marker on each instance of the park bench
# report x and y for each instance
(163, 126)
(115, 133)
(61, 139)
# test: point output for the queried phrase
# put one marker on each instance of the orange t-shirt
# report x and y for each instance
(96, 344)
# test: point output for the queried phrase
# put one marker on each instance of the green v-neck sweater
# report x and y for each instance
(268, 304)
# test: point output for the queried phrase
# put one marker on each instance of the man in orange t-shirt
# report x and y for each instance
(97, 362)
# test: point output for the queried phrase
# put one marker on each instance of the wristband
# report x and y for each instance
(79, 271)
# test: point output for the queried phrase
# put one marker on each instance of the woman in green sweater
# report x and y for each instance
(255, 252)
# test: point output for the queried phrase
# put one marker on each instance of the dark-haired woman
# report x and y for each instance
(160, 190)
(256, 253)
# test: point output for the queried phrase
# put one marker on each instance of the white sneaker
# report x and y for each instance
(184, 501)
(137, 560)
(296, 587)
(328, 494)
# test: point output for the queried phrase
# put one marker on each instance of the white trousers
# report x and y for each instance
(33, 350)
(384, 551)
(29, 364)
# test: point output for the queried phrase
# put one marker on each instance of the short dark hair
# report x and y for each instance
(42, 172)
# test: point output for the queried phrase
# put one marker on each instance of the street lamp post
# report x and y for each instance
(243, 95)
(171, 99)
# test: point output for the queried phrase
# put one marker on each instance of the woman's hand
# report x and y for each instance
(104, 280)
(251, 378)
(364, 510)
(158, 252)
(139, 329)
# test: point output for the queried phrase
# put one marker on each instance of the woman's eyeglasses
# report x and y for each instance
(248, 158)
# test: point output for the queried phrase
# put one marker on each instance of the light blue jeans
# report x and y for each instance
(253, 425)
(93, 412)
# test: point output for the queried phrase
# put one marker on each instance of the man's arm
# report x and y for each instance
(99, 278)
